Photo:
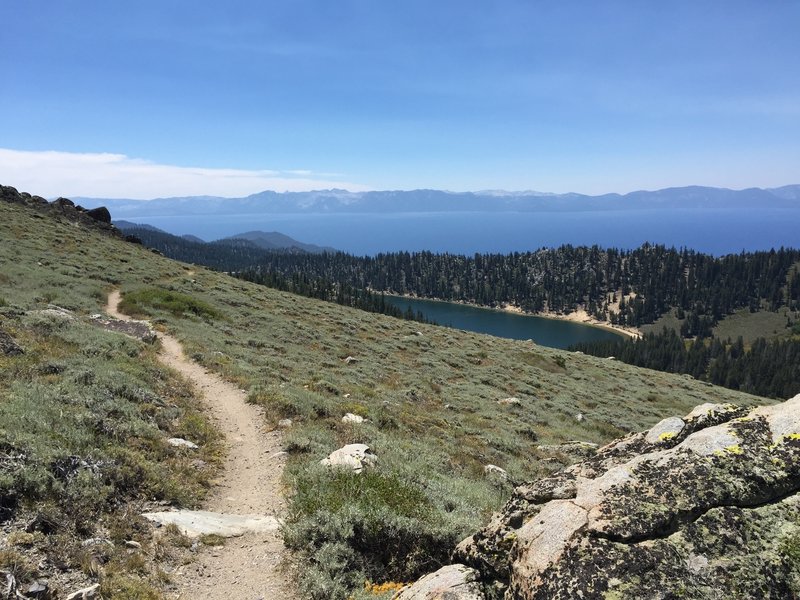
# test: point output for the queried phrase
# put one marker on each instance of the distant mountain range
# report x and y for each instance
(263, 240)
(416, 201)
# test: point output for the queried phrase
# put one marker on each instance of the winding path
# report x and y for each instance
(246, 567)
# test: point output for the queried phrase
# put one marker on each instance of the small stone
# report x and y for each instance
(351, 456)
(351, 418)
(494, 470)
(182, 443)
(38, 589)
(133, 544)
(88, 593)
(284, 423)
(511, 401)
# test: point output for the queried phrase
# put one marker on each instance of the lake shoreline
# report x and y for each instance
(579, 316)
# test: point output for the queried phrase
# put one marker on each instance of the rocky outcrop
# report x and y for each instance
(97, 218)
(707, 506)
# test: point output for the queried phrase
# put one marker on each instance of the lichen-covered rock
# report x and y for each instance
(453, 582)
(708, 507)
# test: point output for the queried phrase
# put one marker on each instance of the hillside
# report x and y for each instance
(430, 397)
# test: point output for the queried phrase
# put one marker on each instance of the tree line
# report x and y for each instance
(626, 287)
(767, 368)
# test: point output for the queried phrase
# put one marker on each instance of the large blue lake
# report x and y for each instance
(708, 230)
(547, 332)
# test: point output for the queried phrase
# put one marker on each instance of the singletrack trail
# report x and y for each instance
(247, 567)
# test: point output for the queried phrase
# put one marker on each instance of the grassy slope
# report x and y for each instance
(430, 399)
(84, 418)
(750, 325)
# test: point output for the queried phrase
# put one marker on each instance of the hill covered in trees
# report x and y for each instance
(627, 287)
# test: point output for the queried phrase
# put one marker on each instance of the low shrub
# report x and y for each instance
(359, 527)
(143, 301)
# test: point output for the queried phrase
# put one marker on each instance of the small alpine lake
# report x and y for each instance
(554, 333)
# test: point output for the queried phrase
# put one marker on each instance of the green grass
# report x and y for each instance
(765, 324)
(142, 302)
(430, 400)
(749, 325)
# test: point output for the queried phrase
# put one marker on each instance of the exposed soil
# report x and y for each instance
(248, 567)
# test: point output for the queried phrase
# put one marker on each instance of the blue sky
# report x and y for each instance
(156, 98)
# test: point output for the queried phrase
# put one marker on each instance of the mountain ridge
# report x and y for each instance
(428, 200)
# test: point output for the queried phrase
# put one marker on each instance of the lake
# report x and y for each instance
(553, 333)
(712, 231)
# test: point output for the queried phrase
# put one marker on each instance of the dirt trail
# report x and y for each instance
(246, 567)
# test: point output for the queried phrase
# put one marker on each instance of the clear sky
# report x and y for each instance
(161, 97)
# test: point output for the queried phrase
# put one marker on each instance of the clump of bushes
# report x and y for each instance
(373, 526)
(143, 301)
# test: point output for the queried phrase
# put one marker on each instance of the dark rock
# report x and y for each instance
(100, 214)
(63, 203)
(8, 346)
(701, 507)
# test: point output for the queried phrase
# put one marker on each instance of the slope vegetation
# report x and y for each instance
(430, 397)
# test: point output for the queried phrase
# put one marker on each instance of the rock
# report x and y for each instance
(38, 589)
(194, 523)
(8, 346)
(351, 456)
(351, 418)
(453, 582)
(63, 203)
(494, 470)
(100, 214)
(88, 593)
(182, 443)
(709, 512)
(512, 401)
(284, 424)
(665, 430)
(133, 544)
